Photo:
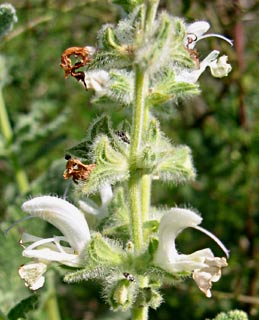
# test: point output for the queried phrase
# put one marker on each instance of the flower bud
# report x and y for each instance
(122, 295)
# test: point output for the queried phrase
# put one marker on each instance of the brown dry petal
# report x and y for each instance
(211, 273)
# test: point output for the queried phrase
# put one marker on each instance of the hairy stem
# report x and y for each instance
(135, 178)
(140, 313)
(151, 9)
(139, 183)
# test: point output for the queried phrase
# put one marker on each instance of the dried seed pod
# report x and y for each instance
(84, 53)
(77, 170)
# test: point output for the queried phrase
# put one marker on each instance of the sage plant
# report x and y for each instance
(146, 61)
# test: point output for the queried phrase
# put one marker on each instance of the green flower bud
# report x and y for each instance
(122, 295)
(149, 296)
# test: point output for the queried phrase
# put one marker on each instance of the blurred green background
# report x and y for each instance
(49, 114)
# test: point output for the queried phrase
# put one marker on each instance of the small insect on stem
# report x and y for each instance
(76, 169)
(123, 136)
(128, 276)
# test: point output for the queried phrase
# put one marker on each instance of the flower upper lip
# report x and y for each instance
(195, 32)
(70, 221)
(64, 216)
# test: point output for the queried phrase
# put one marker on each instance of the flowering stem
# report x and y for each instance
(140, 313)
(146, 179)
(51, 305)
(7, 132)
(151, 9)
(136, 177)
(139, 183)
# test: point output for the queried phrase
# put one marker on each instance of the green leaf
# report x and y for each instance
(176, 165)
(154, 50)
(111, 166)
(101, 125)
(179, 55)
(108, 39)
(102, 251)
(128, 5)
(90, 272)
(22, 308)
(165, 88)
(121, 86)
(80, 150)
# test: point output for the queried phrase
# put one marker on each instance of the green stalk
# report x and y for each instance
(139, 184)
(139, 313)
(151, 9)
(146, 195)
(7, 132)
(51, 305)
(135, 178)
(146, 179)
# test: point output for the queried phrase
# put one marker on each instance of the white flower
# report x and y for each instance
(195, 32)
(202, 263)
(192, 76)
(91, 208)
(95, 80)
(32, 273)
(70, 221)
(220, 68)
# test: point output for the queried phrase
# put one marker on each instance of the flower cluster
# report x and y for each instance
(70, 221)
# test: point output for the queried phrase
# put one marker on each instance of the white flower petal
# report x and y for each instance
(220, 68)
(195, 32)
(198, 28)
(46, 254)
(106, 193)
(64, 216)
(171, 224)
(193, 75)
(208, 274)
(32, 274)
(88, 207)
(96, 80)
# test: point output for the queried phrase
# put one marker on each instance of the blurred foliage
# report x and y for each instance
(49, 114)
